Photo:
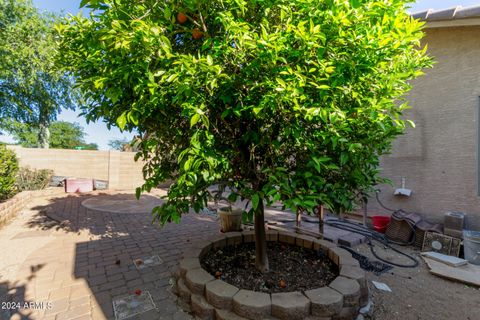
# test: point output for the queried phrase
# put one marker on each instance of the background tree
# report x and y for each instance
(125, 145)
(63, 135)
(32, 89)
(279, 100)
(118, 144)
(88, 146)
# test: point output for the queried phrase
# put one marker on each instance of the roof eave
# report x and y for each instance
(457, 16)
(453, 23)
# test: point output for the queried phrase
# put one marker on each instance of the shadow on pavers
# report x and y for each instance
(14, 303)
(108, 267)
(66, 213)
(106, 261)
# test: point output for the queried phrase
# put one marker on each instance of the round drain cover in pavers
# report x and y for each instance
(252, 305)
(122, 203)
(325, 301)
(349, 288)
(290, 305)
(220, 294)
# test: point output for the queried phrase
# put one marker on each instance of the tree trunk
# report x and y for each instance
(43, 132)
(365, 213)
(261, 258)
(43, 136)
(321, 217)
(298, 218)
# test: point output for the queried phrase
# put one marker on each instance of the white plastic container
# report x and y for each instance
(471, 246)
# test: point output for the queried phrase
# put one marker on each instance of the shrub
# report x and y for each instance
(31, 179)
(8, 171)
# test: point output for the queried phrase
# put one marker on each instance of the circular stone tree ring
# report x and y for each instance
(211, 298)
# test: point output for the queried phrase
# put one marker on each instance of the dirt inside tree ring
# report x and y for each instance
(292, 268)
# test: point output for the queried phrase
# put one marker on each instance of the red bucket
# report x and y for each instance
(380, 223)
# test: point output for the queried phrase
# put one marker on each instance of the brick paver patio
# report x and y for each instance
(87, 260)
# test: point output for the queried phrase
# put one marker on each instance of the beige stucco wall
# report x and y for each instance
(119, 168)
(439, 157)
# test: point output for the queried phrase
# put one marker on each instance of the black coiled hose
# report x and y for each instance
(372, 236)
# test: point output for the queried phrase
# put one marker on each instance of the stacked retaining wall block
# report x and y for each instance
(213, 299)
(11, 207)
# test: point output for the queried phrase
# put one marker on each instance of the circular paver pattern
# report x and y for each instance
(122, 203)
(341, 299)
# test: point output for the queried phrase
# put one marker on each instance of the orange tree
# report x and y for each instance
(279, 100)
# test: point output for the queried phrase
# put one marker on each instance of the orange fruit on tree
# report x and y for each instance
(181, 18)
(197, 34)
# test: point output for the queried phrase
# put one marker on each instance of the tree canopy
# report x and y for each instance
(124, 144)
(32, 89)
(118, 144)
(63, 135)
(291, 101)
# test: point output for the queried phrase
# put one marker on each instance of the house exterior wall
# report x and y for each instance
(438, 158)
(118, 168)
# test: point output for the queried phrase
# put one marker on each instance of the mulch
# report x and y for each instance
(292, 268)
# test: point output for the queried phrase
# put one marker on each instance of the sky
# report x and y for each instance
(98, 132)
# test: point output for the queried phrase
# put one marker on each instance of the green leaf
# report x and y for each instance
(247, 217)
(209, 60)
(206, 175)
(281, 82)
(83, 3)
(330, 69)
(122, 121)
(343, 158)
(132, 117)
(232, 197)
(172, 77)
(225, 113)
(355, 3)
(167, 13)
(255, 201)
(194, 120)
